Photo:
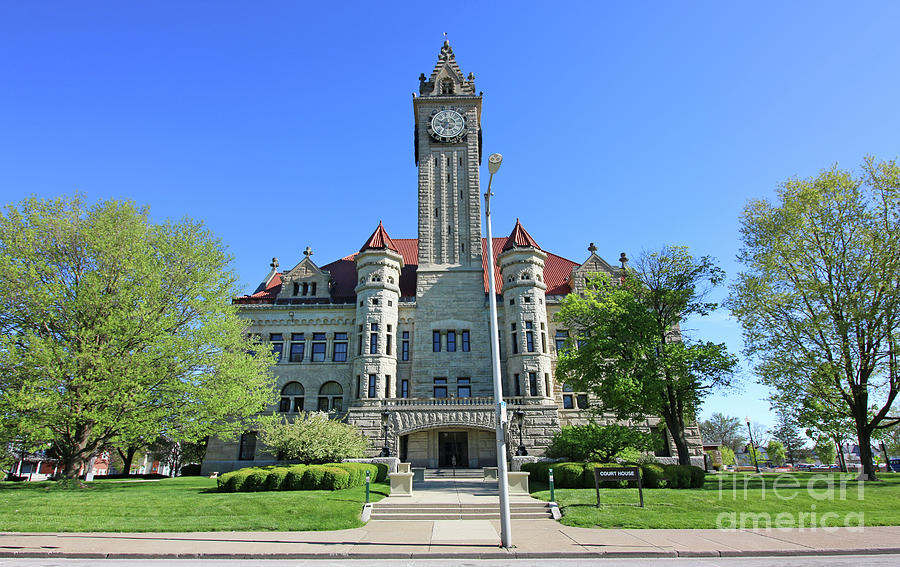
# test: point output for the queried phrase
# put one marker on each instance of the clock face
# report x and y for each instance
(447, 125)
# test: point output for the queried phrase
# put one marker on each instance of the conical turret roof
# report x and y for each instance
(519, 238)
(379, 240)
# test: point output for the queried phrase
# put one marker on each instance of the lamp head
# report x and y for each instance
(747, 419)
(494, 162)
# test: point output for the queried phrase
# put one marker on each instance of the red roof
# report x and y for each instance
(519, 237)
(379, 240)
(343, 272)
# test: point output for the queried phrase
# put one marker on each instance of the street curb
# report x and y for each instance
(498, 554)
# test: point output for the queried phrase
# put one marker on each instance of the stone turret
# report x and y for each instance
(378, 266)
(525, 316)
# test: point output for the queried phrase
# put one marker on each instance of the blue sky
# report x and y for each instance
(287, 124)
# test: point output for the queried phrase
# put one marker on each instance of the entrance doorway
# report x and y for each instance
(453, 449)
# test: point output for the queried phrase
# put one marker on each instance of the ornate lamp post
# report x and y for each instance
(385, 450)
(520, 418)
(502, 474)
(752, 446)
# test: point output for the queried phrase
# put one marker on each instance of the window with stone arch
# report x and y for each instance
(331, 397)
(292, 398)
(447, 85)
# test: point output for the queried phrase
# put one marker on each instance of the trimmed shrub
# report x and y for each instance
(335, 479)
(234, 480)
(190, 470)
(698, 477)
(568, 475)
(358, 472)
(677, 476)
(383, 471)
(275, 479)
(293, 479)
(255, 481)
(653, 476)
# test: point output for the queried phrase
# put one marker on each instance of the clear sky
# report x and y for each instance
(287, 124)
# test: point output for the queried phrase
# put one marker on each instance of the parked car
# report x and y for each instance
(895, 464)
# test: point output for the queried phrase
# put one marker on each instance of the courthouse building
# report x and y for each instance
(395, 337)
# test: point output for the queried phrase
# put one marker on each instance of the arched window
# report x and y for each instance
(292, 397)
(331, 397)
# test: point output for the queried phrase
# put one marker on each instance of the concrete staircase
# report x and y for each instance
(517, 511)
(439, 474)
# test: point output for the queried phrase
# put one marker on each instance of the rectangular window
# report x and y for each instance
(371, 385)
(440, 387)
(247, 449)
(340, 347)
(359, 343)
(318, 347)
(337, 403)
(532, 384)
(518, 385)
(463, 388)
(312, 288)
(358, 385)
(451, 341)
(323, 404)
(436, 341)
(298, 405)
(561, 337)
(547, 391)
(515, 343)
(465, 341)
(373, 343)
(567, 401)
(582, 401)
(285, 405)
(297, 346)
(529, 336)
(543, 342)
(277, 341)
(387, 386)
(404, 348)
(387, 345)
(404, 388)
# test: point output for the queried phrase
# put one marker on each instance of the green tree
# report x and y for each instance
(787, 432)
(728, 457)
(631, 354)
(598, 443)
(818, 300)
(115, 328)
(723, 430)
(311, 438)
(825, 450)
(776, 452)
(754, 455)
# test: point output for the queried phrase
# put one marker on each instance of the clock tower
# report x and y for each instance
(448, 153)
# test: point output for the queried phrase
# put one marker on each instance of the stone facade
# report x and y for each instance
(396, 338)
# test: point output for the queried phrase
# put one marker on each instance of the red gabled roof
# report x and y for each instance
(379, 240)
(343, 272)
(519, 237)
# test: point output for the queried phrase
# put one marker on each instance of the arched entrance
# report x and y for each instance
(448, 447)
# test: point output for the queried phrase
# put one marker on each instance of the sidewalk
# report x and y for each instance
(423, 539)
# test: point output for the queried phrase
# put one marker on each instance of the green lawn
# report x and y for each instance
(726, 496)
(186, 504)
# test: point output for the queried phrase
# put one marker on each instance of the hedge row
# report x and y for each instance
(331, 476)
(581, 475)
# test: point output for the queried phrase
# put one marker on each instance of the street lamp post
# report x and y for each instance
(502, 477)
(752, 446)
(520, 417)
(385, 450)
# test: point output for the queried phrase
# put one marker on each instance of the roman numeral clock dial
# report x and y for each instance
(447, 125)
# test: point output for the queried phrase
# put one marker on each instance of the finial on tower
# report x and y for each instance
(274, 264)
(308, 252)
(623, 260)
(592, 248)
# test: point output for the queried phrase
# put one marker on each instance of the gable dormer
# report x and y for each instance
(593, 265)
(447, 78)
(305, 281)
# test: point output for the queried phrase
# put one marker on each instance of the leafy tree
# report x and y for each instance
(754, 454)
(825, 450)
(818, 300)
(598, 443)
(787, 432)
(630, 351)
(114, 328)
(311, 438)
(723, 430)
(776, 452)
(176, 453)
(728, 457)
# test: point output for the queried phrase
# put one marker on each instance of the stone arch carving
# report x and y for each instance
(409, 422)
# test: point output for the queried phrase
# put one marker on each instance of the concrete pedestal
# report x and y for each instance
(401, 483)
(403, 467)
(490, 473)
(418, 474)
(518, 482)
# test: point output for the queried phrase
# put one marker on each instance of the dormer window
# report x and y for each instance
(296, 289)
(447, 86)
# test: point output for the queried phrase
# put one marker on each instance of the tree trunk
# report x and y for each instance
(127, 458)
(840, 455)
(865, 456)
(887, 459)
(675, 425)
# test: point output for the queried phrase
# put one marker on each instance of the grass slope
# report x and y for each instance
(727, 496)
(187, 504)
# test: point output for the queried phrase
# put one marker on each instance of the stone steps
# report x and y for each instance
(518, 511)
(453, 473)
